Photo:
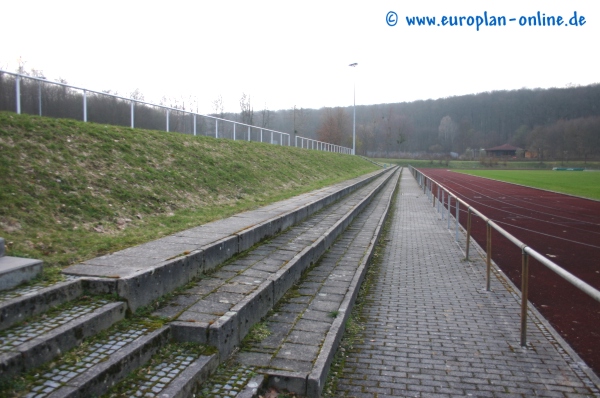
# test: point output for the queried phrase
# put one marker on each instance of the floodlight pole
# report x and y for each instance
(354, 116)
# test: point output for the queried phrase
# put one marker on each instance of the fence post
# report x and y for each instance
(456, 226)
(133, 117)
(216, 128)
(449, 209)
(234, 131)
(468, 233)
(195, 124)
(84, 105)
(260, 135)
(248, 133)
(524, 295)
(167, 120)
(18, 94)
(40, 97)
(443, 208)
(488, 257)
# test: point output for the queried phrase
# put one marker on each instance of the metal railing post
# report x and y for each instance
(248, 133)
(18, 94)
(167, 120)
(524, 295)
(443, 207)
(234, 131)
(84, 105)
(456, 226)
(133, 118)
(468, 233)
(40, 97)
(488, 257)
(195, 124)
(261, 135)
(216, 128)
(449, 209)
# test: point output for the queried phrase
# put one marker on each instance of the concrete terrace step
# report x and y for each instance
(143, 273)
(220, 309)
(101, 364)
(42, 338)
(306, 330)
(18, 304)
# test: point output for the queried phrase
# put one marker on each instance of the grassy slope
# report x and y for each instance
(71, 190)
(586, 184)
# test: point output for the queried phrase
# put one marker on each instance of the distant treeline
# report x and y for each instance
(550, 123)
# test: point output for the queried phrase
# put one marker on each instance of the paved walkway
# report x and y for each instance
(433, 332)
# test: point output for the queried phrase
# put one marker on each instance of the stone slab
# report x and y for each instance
(16, 270)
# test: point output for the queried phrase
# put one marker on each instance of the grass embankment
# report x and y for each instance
(579, 183)
(71, 191)
(475, 164)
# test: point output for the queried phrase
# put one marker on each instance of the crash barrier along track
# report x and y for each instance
(218, 308)
(444, 201)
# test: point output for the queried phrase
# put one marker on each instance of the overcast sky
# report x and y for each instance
(285, 53)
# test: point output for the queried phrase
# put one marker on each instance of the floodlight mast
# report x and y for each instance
(354, 115)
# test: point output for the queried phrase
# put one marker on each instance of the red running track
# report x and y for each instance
(564, 228)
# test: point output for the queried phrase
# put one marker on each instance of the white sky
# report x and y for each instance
(285, 53)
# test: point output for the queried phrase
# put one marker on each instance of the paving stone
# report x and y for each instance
(446, 336)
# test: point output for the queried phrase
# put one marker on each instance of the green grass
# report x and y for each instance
(579, 183)
(503, 165)
(70, 191)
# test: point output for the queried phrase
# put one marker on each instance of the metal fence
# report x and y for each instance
(438, 195)
(310, 143)
(35, 95)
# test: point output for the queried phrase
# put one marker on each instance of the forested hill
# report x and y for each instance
(482, 120)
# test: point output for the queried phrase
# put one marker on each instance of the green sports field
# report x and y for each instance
(579, 183)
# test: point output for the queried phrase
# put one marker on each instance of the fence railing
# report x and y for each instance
(47, 98)
(310, 143)
(438, 194)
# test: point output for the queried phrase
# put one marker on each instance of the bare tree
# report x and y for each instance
(247, 113)
(447, 132)
(335, 127)
(218, 107)
(265, 116)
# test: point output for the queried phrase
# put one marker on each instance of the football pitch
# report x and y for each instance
(579, 183)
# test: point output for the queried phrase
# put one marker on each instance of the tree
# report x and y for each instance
(265, 116)
(218, 107)
(247, 112)
(334, 127)
(447, 132)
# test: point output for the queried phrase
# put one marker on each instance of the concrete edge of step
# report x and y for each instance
(142, 287)
(20, 308)
(44, 348)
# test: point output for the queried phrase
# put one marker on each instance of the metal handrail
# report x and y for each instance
(324, 146)
(426, 183)
(321, 145)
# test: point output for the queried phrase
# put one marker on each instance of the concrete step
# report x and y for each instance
(221, 309)
(144, 273)
(18, 304)
(16, 270)
(40, 339)
(306, 327)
